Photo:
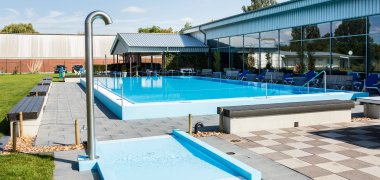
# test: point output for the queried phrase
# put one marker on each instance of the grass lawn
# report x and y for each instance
(12, 89)
(26, 166)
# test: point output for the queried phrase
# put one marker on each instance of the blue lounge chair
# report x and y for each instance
(243, 75)
(372, 83)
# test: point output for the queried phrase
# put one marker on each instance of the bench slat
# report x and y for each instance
(29, 106)
(285, 108)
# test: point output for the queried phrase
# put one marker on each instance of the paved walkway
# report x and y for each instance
(331, 151)
(66, 103)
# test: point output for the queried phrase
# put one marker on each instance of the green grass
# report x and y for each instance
(26, 166)
(12, 89)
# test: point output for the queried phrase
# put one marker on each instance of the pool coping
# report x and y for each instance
(235, 165)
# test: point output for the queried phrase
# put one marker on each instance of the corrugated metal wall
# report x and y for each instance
(40, 46)
(323, 11)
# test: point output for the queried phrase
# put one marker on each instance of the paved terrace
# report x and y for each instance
(334, 151)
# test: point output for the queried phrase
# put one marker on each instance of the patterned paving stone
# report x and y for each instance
(277, 156)
(332, 156)
(370, 159)
(313, 171)
(354, 163)
(314, 159)
(331, 177)
(374, 170)
(296, 153)
(293, 163)
(357, 175)
(334, 167)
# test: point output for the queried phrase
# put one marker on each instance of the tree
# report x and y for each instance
(155, 29)
(186, 26)
(258, 4)
(217, 63)
(19, 28)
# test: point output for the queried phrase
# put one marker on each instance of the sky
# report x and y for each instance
(67, 16)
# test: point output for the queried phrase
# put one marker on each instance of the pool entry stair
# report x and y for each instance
(175, 156)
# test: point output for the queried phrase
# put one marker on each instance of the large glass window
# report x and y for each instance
(237, 52)
(349, 27)
(291, 56)
(269, 50)
(224, 42)
(316, 55)
(224, 50)
(374, 53)
(374, 24)
(212, 43)
(251, 47)
(349, 54)
(317, 31)
(290, 34)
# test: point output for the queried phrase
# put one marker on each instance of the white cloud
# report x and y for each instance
(29, 13)
(187, 19)
(133, 9)
(54, 14)
(15, 12)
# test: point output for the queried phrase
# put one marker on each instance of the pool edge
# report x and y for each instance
(230, 162)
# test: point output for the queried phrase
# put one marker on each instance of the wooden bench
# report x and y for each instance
(29, 106)
(44, 82)
(371, 107)
(242, 119)
(47, 78)
(39, 90)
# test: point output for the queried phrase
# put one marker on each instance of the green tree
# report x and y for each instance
(155, 29)
(258, 4)
(186, 26)
(19, 28)
(217, 63)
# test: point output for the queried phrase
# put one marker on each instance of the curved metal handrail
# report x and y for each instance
(315, 77)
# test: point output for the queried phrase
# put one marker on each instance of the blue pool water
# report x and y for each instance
(170, 157)
(168, 89)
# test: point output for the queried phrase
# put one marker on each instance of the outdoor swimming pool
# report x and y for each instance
(185, 88)
(176, 156)
(158, 97)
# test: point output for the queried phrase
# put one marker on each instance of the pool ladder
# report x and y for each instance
(312, 79)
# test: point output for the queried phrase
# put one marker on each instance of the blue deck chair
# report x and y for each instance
(243, 75)
(372, 83)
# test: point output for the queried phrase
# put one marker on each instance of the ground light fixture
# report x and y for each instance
(88, 24)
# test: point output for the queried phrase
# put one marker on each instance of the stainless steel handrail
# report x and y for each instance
(312, 79)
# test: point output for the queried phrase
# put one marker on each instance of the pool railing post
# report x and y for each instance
(266, 90)
(325, 79)
(190, 124)
(121, 96)
(91, 147)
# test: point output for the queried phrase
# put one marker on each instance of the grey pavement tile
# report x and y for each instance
(313, 171)
(357, 175)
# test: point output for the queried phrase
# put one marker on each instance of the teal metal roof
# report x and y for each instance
(286, 15)
(153, 42)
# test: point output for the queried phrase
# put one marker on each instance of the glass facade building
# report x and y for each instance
(338, 47)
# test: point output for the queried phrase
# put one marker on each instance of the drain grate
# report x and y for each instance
(235, 140)
(230, 153)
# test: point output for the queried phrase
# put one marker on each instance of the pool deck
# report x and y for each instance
(347, 150)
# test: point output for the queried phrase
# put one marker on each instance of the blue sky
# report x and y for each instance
(67, 16)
